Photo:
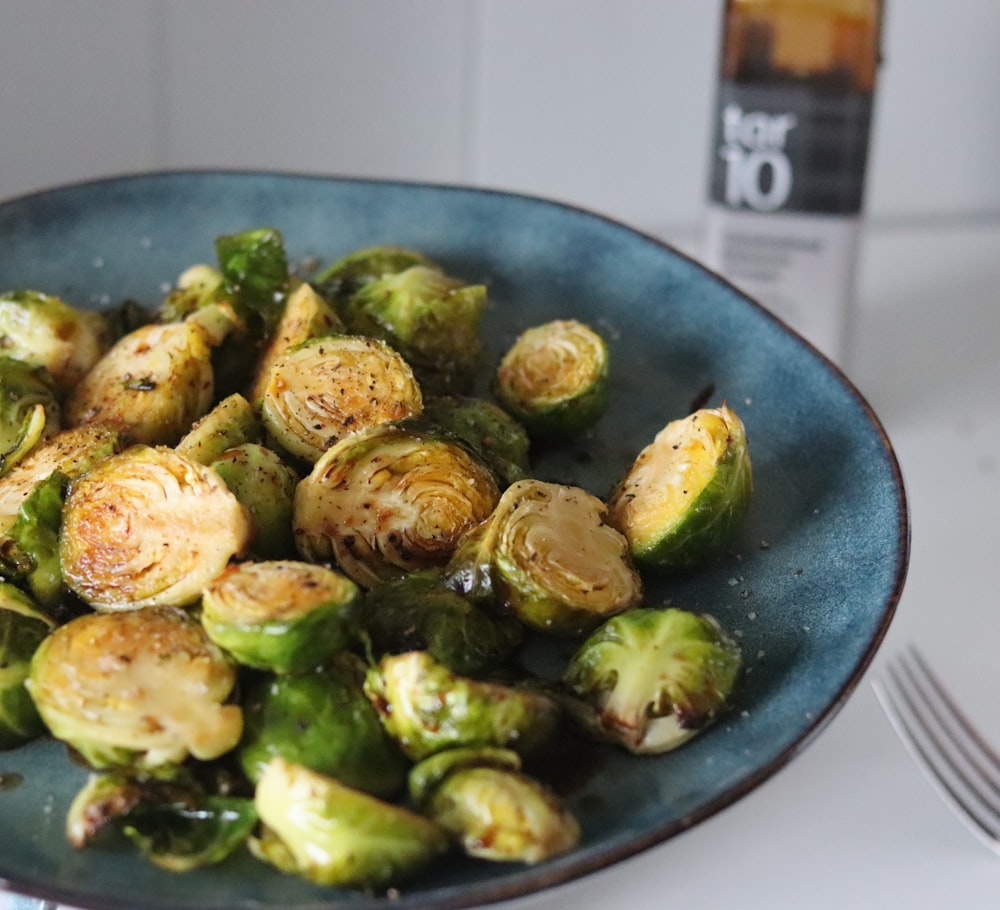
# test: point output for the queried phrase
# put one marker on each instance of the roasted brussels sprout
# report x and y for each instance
(138, 689)
(29, 555)
(427, 707)
(502, 815)
(554, 378)
(346, 275)
(333, 835)
(22, 630)
(281, 615)
(196, 287)
(42, 330)
(306, 315)
(651, 678)
(148, 527)
(687, 492)
(428, 774)
(71, 452)
(29, 410)
(322, 720)
(390, 500)
(177, 827)
(232, 422)
(265, 484)
(488, 428)
(418, 612)
(547, 554)
(152, 385)
(254, 268)
(327, 388)
(430, 317)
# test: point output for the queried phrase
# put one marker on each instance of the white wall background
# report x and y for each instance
(603, 103)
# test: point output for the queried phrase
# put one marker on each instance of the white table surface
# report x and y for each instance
(851, 822)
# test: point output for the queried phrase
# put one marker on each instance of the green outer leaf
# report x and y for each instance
(254, 269)
(31, 551)
(22, 630)
(323, 721)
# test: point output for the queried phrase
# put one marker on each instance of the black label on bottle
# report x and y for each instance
(790, 148)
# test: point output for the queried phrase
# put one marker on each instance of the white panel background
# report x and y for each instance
(603, 103)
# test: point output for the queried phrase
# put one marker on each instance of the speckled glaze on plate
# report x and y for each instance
(810, 586)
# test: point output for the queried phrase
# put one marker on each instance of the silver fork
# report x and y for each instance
(963, 768)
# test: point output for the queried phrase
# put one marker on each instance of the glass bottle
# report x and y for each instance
(790, 147)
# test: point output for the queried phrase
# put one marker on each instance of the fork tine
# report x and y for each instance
(960, 765)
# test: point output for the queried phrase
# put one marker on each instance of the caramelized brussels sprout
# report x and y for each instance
(152, 385)
(547, 554)
(71, 452)
(306, 315)
(176, 826)
(687, 492)
(232, 422)
(418, 612)
(42, 330)
(281, 615)
(427, 708)
(488, 428)
(502, 815)
(29, 410)
(650, 679)
(139, 689)
(324, 721)
(428, 773)
(554, 378)
(265, 484)
(149, 527)
(333, 835)
(391, 500)
(430, 317)
(328, 388)
(22, 630)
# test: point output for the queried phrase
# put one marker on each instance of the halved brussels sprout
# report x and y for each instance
(547, 554)
(427, 708)
(152, 385)
(197, 286)
(42, 330)
(149, 527)
(232, 422)
(265, 484)
(488, 428)
(177, 826)
(342, 278)
(22, 630)
(391, 500)
(29, 410)
(328, 388)
(650, 679)
(333, 835)
(554, 378)
(687, 492)
(282, 615)
(428, 774)
(502, 815)
(142, 689)
(71, 452)
(418, 612)
(306, 315)
(430, 317)
(324, 721)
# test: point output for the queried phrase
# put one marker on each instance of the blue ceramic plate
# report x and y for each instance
(809, 588)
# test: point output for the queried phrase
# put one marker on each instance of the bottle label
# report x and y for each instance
(790, 148)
